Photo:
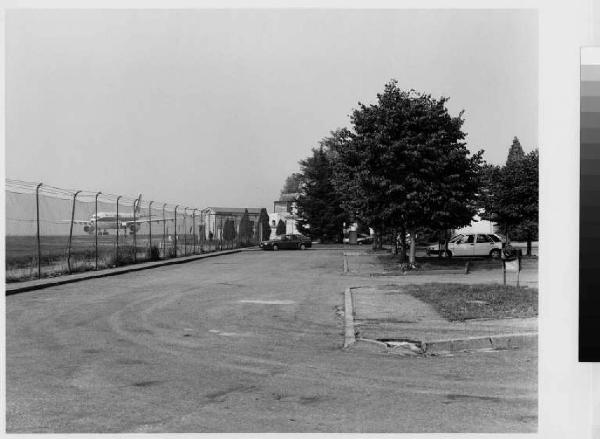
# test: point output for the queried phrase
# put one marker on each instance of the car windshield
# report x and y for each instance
(456, 238)
(494, 238)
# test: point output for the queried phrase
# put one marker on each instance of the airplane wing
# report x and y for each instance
(146, 220)
(81, 222)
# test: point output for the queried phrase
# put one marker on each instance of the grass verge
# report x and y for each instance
(458, 302)
(391, 263)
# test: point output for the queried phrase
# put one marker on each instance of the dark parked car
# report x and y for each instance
(286, 242)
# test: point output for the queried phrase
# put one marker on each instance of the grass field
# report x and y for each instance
(22, 253)
(458, 302)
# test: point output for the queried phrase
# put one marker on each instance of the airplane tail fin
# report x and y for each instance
(138, 204)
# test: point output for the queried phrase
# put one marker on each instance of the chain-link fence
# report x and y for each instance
(52, 231)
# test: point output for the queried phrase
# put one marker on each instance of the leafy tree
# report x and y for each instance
(510, 196)
(292, 184)
(245, 228)
(229, 232)
(280, 228)
(405, 165)
(319, 209)
(263, 227)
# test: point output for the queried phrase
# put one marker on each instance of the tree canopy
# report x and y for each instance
(292, 184)
(281, 228)
(405, 164)
(319, 205)
(515, 153)
(510, 195)
(263, 227)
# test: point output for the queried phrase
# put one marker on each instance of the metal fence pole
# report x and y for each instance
(184, 232)
(221, 234)
(39, 246)
(135, 202)
(71, 232)
(150, 225)
(118, 225)
(164, 232)
(194, 229)
(96, 230)
(176, 230)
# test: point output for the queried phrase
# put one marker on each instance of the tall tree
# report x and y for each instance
(292, 184)
(319, 209)
(245, 228)
(281, 228)
(229, 232)
(515, 152)
(263, 231)
(510, 196)
(405, 165)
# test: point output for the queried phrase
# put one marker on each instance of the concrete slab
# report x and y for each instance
(382, 313)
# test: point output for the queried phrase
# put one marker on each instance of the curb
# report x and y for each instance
(504, 341)
(349, 334)
(499, 341)
(67, 279)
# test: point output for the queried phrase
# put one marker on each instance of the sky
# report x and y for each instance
(216, 107)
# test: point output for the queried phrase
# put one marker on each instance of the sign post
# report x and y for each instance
(511, 261)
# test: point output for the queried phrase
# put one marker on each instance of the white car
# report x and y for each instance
(470, 244)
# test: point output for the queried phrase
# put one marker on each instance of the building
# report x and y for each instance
(285, 210)
(213, 221)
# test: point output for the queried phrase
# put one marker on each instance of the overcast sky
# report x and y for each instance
(216, 107)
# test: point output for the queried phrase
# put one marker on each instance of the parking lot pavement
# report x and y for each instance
(250, 342)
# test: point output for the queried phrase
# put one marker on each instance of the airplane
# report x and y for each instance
(105, 221)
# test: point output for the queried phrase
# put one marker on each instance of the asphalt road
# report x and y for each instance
(249, 342)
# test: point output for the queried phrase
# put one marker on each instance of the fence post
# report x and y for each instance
(184, 232)
(118, 225)
(39, 246)
(135, 206)
(96, 230)
(194, 229)
(175, 235)
(164, 232)
(71, 232)
(150, 224)
(221, 235)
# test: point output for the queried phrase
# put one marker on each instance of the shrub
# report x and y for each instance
(153, 253)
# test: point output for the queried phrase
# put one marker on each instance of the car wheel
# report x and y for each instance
(302, 246)
(495, 253)
(275, 247)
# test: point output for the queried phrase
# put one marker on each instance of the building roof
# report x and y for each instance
(233, 210)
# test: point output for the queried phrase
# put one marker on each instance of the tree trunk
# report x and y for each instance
(529, 243)
(413, 247)
(395, 234)
(402, 245)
